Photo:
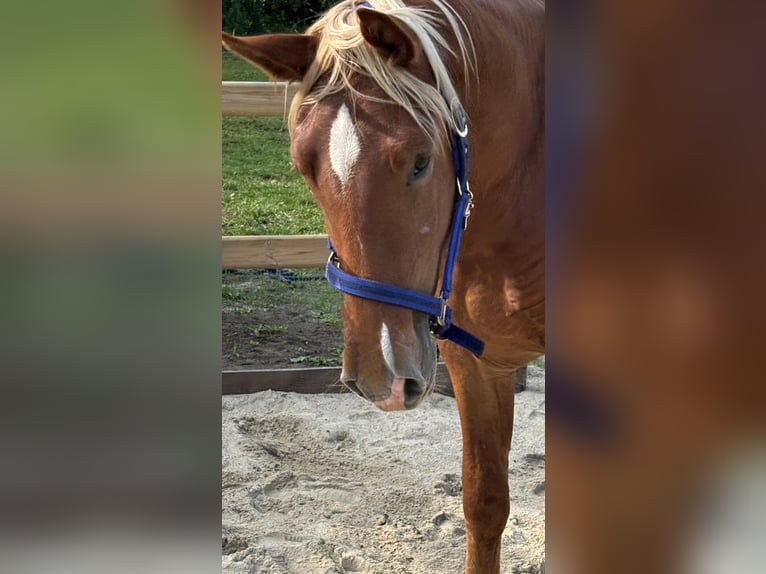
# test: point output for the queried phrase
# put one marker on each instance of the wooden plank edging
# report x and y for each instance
(313, 380)
(273, 251)
(310, 380)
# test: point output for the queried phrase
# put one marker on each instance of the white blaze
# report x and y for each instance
(344, 144)
(385, 346)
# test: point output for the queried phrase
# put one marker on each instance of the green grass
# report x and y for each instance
(261, 330)
(262, 193)
(251, 293)
(235, 69)
(316, 361)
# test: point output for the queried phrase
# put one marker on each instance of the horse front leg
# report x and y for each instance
(485, 404)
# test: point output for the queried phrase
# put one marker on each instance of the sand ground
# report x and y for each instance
(328, 484)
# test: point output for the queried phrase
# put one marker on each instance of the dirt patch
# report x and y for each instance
(328, 484)
(280, 321)
(279, 337)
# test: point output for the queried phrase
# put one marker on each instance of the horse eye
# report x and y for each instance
(421, 167)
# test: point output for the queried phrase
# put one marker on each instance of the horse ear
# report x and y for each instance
(393, 40)
(282, 56)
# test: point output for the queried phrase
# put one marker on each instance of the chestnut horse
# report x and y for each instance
(375, 118)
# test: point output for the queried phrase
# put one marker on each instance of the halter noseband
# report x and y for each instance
(440, 313)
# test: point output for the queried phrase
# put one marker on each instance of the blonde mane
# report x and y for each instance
(343, 52)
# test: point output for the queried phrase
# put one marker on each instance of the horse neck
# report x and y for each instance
(507, 109)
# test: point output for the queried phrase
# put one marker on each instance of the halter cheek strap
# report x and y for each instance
(440, 313)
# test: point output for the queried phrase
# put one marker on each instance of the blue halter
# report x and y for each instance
(437, 308)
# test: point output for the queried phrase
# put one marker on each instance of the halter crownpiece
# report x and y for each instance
(437, 308)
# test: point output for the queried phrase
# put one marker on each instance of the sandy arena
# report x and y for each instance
(328, 484)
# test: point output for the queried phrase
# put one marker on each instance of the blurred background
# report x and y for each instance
(110, 306)
(655, 196)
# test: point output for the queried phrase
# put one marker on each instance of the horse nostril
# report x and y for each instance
(413, 391)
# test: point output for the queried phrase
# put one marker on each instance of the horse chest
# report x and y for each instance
(509, 312)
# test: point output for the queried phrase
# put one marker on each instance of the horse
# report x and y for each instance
(392, 96)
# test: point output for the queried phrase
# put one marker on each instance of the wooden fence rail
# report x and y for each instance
(274, 251)
(256, 98)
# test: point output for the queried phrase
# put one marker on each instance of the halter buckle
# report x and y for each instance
(441, 320)
(469, 207)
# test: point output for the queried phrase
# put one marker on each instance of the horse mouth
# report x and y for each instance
(405, 393)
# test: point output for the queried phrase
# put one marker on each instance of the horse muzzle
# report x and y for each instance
(397, 371)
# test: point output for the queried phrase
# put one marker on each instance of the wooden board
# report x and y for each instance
(274, 251)
(256, 98)
(307, 380)
(314, 380)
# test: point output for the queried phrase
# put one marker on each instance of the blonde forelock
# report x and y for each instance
(343, 53)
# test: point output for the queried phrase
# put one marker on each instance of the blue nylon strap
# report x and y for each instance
(456, 236)
(460, 162)
(463, 338)
(393, 295)
(383, 292)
